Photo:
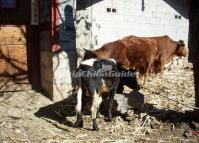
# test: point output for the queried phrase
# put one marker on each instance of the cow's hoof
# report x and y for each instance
(78, 124)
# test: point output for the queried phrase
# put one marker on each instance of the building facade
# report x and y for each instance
(59, 30)
(91, 23)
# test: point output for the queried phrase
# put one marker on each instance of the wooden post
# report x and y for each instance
(194, 44)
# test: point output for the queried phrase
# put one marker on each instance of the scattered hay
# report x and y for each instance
(164, 117)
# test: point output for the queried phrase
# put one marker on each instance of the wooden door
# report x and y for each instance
(13, 51)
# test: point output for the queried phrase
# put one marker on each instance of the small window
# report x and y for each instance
(108, 9)
(114, 10)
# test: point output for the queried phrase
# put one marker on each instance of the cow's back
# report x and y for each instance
(142, 52)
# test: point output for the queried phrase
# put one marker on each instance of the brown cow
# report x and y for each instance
(145, 54)
(137, 54)
(167, 50)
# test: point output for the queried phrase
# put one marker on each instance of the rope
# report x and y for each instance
(56, 6)
(172, 63)
(154, 92)
(78, 49)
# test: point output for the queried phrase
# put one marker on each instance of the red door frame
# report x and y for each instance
(54, 26)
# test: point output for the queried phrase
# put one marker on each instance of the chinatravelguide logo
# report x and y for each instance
(107, 67)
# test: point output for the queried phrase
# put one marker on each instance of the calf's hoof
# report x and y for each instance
(78, 124)
(108, 119)
(137, 86)
(95, 127)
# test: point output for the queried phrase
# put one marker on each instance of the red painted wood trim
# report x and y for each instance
(54, 35)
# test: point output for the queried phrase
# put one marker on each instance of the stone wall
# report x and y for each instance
(56, 68)
(64, 62)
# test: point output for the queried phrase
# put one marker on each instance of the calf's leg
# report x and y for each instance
(110, 104)
(99, 102)
(94, 108)
(79, 121)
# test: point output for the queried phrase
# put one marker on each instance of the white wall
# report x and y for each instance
(95, 27)
(56, 68)
(158, 18)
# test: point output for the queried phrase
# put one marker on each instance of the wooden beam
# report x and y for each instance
(194, 35)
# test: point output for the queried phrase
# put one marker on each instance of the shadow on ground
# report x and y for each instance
(59, 112)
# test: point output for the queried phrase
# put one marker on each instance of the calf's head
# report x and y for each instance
(181, 50)
(89, 54)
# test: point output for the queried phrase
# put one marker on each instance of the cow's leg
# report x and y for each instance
(161, 68)
(148, 68)
(145, 74)
(94, 108)
(79, 121)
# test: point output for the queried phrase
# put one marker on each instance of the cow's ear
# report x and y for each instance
(180, 43)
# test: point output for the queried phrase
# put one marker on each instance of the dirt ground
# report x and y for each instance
(28, 116)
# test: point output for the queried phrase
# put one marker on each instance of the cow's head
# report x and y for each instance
(181, 50)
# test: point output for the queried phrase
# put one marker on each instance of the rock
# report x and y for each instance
(194, 125)
(124, 102)
(18, 131)
(129, 118)
(186, 134)
(2, 124)
(14, 115)
(154, 124)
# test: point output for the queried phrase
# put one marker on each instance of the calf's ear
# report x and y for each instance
(89, 54)
(97, 65)
(86, 50)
